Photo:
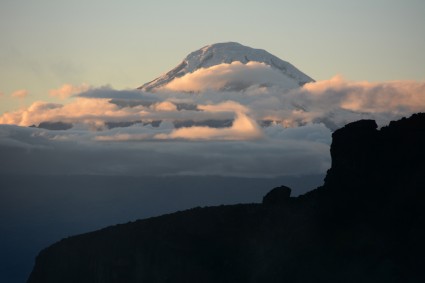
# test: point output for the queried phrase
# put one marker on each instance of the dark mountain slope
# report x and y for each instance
(365, 224)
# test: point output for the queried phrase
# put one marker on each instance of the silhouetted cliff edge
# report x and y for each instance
(365, 224)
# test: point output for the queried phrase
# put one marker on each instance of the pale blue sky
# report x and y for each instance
(45, 44)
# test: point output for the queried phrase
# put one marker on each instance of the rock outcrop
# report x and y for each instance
(277, 196)
(365, 224)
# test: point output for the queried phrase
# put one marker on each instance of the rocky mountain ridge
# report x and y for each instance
(365, 224)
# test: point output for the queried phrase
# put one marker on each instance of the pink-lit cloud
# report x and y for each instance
(333, 102)
(226, 106)
(21, 94)
(81, 110)
(68, 90)
(371, 97)
(243, 128)
(165, 106)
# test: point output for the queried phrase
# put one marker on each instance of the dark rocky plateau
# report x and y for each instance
(365, 224)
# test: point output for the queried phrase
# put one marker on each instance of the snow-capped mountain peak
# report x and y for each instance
(227, 53)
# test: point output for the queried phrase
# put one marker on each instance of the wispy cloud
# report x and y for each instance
(67, 90)
(108, 92)
(20, 94)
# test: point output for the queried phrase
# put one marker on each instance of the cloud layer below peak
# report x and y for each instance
(258, 131)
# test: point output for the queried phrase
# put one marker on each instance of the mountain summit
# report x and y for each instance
(231, 53)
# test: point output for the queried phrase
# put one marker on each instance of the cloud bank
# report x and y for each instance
(38, 151)
(334, 102)
(260, 131)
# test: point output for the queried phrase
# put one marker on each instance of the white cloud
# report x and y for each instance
(235, 76)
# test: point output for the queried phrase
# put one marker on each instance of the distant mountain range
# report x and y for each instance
(365, 224)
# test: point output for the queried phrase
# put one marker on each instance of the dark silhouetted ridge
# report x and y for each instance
(365, 224)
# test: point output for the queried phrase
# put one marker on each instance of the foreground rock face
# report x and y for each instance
(365, 224)
(372, 164)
